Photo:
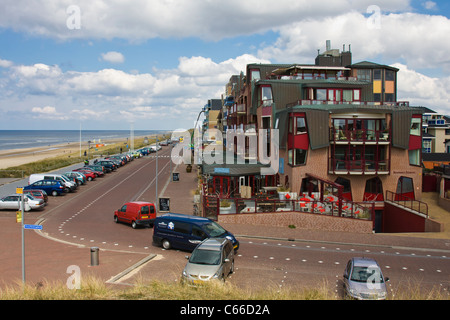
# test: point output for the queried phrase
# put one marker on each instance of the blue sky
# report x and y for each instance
(156, 63)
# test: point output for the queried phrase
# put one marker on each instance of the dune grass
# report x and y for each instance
(95, 289)
(65, 160)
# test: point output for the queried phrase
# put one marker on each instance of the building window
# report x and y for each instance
(390, 75)
(347, 190)
(414, 157)
(405, 189)
(266, 95)
(297, 157)
(300, 125)
(377, 97)
(364, 75)
(426, 147)
(416, 126)
(389, 97)
(377, 74)
(373, 190)
(255, 75)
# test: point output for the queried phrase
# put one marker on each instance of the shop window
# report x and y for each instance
(373, 190)
(405, 189)
(347, 191)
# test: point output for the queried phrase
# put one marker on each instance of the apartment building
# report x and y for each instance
(339, 123)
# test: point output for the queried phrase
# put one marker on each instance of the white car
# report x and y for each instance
(13, 202)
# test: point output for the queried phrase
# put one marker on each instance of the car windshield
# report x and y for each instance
(213, 229)
(367, 274)
(201, 256)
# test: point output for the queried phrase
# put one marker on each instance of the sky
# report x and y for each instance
(154, 64)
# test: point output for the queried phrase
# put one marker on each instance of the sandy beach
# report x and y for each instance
(16, 157)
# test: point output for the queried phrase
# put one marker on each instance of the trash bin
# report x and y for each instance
(94, 256)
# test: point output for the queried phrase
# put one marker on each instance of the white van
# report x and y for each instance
(71, 185)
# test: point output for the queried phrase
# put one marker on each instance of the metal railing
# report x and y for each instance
(363, 165)
(329, 205)
(407, 202)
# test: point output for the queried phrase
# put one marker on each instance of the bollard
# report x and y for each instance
(94, 256)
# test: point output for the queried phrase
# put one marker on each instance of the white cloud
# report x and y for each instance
(143, 19)
(110, 95)
(48, 112)
(5, 63)
(113, 57)
(422, 90)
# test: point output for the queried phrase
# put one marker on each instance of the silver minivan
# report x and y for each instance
(363, 280)
(212, 259)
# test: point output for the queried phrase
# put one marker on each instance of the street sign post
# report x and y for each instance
(32, 226)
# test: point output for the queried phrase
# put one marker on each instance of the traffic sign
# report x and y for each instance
(32, 226)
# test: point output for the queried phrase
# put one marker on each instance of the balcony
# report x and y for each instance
(359, 136)
(358, 167)
(361, 103)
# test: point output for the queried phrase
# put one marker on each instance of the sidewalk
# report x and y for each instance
(49, 260)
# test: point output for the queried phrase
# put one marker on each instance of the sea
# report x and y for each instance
(18, 139)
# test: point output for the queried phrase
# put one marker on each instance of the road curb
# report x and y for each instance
(119, 276)
(342, 243)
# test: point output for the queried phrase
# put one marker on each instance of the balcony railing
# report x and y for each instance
(362, 166)
(362, 103)
(359, 135)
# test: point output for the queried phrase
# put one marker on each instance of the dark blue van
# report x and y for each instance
(185, 232)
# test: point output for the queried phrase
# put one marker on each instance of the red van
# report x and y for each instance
(136, 213)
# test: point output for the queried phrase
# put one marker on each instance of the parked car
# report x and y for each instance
(156, 147)
(143, 151)
(107, 164)
(185, 232)
(363, 280)
(90, 175)
(13, 202)
(88, 169)
(164, 143)
(69, 184)
(53, 187)
(38, 194)
(98, 168)
(80, 178)
(137, 213)
(212, 259)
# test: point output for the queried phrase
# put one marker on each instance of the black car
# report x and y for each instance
(108, 164)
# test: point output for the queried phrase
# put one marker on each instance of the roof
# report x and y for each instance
(364, 262)
(371, 65)
(441, 156)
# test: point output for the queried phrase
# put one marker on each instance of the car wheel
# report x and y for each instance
(54, 193)
(133, 224)
(89, 178)
(166, 244)
(116, 220)
(232, 267)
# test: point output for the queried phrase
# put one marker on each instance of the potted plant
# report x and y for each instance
(225, 206)
(282, 192)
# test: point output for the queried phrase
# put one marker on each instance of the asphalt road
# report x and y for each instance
(86, 218)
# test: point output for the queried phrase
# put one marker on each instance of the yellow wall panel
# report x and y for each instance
(389, 87)
(377, 86)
